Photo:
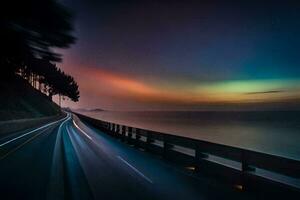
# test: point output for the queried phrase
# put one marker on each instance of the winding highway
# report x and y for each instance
(69, 159)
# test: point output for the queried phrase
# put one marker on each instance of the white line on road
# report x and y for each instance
(16, 138)
(21, 145)
(55, 188)
(60, 126)
(82, 130)
(136, 170)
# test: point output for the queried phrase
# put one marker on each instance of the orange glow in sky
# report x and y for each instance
(117, 90)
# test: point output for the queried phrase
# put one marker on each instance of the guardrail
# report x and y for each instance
(246, 169)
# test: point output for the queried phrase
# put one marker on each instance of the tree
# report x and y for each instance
(31, 29)
(57, 82)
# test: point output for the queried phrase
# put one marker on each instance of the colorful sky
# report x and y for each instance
(185, 56)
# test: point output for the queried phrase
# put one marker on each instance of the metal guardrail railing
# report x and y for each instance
(245, 168)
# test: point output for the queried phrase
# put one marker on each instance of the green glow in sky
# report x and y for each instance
(251, 86)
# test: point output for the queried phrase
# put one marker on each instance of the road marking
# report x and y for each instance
(33, 137)
(69, 117)
(136, 170)
(82, 130)
(16, 138)
(21, 145)
(55, 189)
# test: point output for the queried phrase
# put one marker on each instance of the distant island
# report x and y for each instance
(97, 110)
(88, 110)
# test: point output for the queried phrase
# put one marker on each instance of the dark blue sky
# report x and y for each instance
(179, 44)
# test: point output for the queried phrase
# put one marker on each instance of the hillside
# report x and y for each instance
(19, 100)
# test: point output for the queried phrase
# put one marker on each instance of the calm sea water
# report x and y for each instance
(274, 132)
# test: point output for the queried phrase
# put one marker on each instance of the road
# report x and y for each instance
(69, 159)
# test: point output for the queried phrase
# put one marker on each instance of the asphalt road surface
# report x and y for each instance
(69, 159)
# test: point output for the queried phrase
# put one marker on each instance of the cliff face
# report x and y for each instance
(19, 100)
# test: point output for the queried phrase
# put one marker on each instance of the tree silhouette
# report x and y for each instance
(34, 28)
(30, 30)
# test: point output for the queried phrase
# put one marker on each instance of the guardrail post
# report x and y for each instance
(149, 140)
(199, 155)
(167, 146)
(137, 137)
(246, 168)
(113, 129)
(245, 164)
(129, 135)
(123, 133)
(101, 123)
(118, 130)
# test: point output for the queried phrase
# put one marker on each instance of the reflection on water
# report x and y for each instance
(272, 132)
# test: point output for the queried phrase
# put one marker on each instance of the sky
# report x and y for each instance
(189, 55)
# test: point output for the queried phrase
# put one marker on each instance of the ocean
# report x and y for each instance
(273, 132)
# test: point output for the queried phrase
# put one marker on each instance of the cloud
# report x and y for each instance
(266, 92)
